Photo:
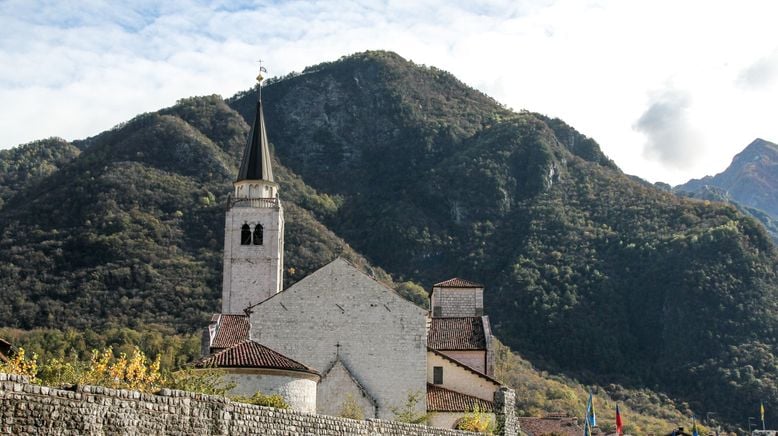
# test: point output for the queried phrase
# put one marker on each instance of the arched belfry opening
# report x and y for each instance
(258, 234)
(245, 235)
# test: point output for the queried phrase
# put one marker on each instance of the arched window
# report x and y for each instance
(258, 234)
(245, 235)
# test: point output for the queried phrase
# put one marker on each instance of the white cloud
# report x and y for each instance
(74, 71)
(761, 74)
(672, 139)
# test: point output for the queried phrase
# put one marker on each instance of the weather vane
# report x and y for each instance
(260, 78)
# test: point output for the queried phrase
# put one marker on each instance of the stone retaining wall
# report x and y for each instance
(29, 409)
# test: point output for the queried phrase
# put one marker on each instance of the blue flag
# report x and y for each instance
(591, 416)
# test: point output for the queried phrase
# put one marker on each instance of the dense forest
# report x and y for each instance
(406, 171)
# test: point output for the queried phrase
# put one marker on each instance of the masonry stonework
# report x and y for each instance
(27, 409)
(252, 273)
(504, 404)
(338, 312)
(458, 302)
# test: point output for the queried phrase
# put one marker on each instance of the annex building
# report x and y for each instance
(339, 336)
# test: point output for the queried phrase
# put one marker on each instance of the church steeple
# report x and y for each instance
(254, 226)
(256, 156)
(255, 177)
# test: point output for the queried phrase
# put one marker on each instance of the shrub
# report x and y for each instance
(19, 364)
(203, 381)
(408, 412)
(350, 409)
(260, 399)
(476, 421)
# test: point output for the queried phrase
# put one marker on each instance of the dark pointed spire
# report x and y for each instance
(256, 156)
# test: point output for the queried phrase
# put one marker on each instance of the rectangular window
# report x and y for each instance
(437, 375)
(437, 311)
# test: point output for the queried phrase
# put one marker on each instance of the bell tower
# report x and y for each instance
(254, 226)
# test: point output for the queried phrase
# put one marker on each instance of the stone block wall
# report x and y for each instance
(338, 312)
(28, 409)
(252, 273)
(504, 404)
(458, 302)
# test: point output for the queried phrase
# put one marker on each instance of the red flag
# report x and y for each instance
(618, 421)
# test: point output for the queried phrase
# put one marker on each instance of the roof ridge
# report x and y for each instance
(456, 282)
(466, 366)
(250, 342)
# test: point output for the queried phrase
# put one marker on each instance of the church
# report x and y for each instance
(339, 337)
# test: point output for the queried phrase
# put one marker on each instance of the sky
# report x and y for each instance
(670, 89)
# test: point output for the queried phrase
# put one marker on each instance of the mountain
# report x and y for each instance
(750, 182)
(402, 168)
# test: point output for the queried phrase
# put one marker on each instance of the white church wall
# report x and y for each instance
(339, 310)
(339, 387)
(297, 389)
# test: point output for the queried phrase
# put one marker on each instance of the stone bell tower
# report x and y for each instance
(254, 226)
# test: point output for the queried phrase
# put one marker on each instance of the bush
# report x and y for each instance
(350, 409)
(476, 421)
(203, 381)
(260, 399)
(19, 364)
(408, 412)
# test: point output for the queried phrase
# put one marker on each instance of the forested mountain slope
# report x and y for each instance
(587, 271)
(131, 231)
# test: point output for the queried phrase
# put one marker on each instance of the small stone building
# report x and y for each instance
(460, 365)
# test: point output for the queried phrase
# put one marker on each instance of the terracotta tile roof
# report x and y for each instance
(250, 354)
(232, 329)
(456, 282)
(544, 426)
(440, 399)
(465, 333)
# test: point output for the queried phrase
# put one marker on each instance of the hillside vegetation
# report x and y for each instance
(427, 179)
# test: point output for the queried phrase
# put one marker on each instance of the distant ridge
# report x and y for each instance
(750, 181)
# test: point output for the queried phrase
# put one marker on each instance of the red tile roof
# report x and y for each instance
(232, 330)
(544, 426)
(440, 399)
(466, 333)
(456, 282)
(250, 354)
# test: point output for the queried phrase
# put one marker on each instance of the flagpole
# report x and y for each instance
(761, 412)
